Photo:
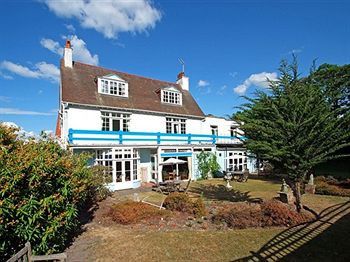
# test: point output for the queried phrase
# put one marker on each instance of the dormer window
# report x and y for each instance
(113, 85)
(170, 95)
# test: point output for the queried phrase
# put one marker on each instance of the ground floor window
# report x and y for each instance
(236, 161)
(121, 164)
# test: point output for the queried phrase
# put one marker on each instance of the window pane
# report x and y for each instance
(127, 171)
(118, 172)
(116, 125)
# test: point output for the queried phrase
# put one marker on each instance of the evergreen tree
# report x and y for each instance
(294, 127)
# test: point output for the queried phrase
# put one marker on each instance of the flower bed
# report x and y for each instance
(269, 213)
(331, 186)
(182, 203)
(130, 212)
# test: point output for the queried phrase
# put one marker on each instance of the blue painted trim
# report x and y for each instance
(122, 136)
(170, 154)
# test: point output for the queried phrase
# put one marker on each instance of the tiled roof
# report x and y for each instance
(79, 85)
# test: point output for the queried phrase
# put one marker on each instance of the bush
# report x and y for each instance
(331, 186)
(130, 212)
(239, 215)
(182, 203)
(275, 213)
(270, 213)
(43, 188)
(207, 164)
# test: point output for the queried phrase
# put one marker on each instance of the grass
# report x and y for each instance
(322, 240)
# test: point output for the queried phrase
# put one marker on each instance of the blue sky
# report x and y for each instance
(229, 46)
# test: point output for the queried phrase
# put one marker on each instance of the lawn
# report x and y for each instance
(313, 241)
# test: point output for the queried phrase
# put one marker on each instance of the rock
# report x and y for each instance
(189, 223)
(205, 225)
(190, 218)
(200, 221)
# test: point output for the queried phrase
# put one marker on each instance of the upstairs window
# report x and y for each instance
(113, 85)
(214, 130)
(233, 131)
(112, 121)
(171, 95)
(175, 125)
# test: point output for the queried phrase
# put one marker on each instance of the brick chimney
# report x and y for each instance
(183, 81)
(68, 55)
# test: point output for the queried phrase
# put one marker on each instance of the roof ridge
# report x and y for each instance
(144, 77)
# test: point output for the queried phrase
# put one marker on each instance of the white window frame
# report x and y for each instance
(113, 85)
(214, 130)
(171, 96)
(123, 118)
(123, 155)
(173, 123)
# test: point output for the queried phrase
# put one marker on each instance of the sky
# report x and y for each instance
(230, 48)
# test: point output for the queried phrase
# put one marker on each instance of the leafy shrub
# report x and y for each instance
(199, 209)
(240, 215)
(275, 213)
(207, 163)
(130, 212)
(182, 203)
(43, 188)
(331, 186)
(270, 213)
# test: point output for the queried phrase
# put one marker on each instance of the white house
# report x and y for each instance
(132, 124)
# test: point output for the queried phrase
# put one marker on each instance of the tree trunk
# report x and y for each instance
(297, 195)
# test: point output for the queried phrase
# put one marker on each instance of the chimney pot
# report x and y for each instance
(183, 81)
(68, 45)
(180, 75)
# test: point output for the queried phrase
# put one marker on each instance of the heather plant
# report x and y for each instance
(43, 187)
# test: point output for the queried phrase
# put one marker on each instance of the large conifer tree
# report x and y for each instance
(294, 126)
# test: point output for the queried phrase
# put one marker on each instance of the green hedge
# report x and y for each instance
(42, 189)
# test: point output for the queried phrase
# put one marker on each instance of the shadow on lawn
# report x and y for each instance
(325, 239)
(220, 192)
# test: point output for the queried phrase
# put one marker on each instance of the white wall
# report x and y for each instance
(90, 119)
(224, 125)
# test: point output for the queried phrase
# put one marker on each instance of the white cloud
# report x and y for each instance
(221, 90)
(52, 45)
(21, 132)
(295, 51)
(70, 28)
(16, 111)
(233, 74)
(259, 80)
(48, 71)
(80, 51)
(19, 69)
(7, 77)
(108, 17)
(10, 124)
(5, 99)
(203, 83)
(41, 70)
